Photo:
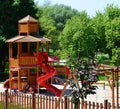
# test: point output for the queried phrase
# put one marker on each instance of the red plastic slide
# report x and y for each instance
(50, 71)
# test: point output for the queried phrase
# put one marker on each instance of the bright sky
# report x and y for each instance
(91, 6)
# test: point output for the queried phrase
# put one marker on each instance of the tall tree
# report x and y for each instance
(52, 20)
(112, 32)
(113, 39)
(78, 39)
(61, 14)
(24, 7)
(7, 18)
(99, 22)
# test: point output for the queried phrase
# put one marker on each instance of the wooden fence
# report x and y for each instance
(36, 101)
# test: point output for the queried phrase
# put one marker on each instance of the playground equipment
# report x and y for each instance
(50, 72)
(112, 74)
(28, 64)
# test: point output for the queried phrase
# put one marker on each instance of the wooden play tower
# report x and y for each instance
(23, 53)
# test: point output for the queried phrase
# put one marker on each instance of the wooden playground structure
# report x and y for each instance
(24, 51)
(112, 74)
(28, 62)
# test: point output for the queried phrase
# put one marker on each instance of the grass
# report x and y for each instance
(102, 77)
(11, 105)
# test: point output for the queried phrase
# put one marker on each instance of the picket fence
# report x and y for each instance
(36, 101)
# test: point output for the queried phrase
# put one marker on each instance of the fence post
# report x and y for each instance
(105, 104)
(33, 101)
(65, 102)
(6, 99)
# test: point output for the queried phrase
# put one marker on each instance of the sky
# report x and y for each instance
(90, 6)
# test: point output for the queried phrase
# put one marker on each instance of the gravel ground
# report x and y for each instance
(102, 93)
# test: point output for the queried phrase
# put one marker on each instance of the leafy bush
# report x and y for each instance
(103, 58)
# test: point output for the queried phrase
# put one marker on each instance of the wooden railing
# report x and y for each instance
(60, 70)
(23, 61)
(27, 60)
(32, 101)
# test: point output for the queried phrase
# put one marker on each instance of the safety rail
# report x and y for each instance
(23, 61)
(27, 61)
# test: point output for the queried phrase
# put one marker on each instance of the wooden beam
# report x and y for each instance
(47, 46)
(28, 47)
(10, 50)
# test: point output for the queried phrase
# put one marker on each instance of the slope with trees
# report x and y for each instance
(52, 20)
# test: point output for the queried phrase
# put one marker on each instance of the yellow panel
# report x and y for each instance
(119, 73)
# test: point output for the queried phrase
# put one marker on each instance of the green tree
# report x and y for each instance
(99, 22)
(111, 12)
(113, 38)
(52, 20)
(47, 27)
(61, 14)
(24, 7)
(78, 39)
(112, 32)
(7, 18)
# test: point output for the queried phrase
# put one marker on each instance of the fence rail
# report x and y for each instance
(35, 101)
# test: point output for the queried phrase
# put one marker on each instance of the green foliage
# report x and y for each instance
(11, 105)
(101, 77)
(52, 20)
(112, 11)
(77, 38)
(112, 33)
(2, 40)
(61, 14)
(116, 56)
(103, 58)
(99, 22)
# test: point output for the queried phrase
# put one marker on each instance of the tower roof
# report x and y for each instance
(28, 18)
(27, 38)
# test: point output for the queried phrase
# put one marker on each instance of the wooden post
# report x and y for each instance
(93, 105)
(37, 51)
(62, 92)
(65, 102)
(10, 50)
(117, 89)
(47, 46)
(112, 89)
(33, 101)
(105, 104)
(89, 105)
(19, 80)
(97, 106)
(6, 99)
(85, 105)
(101, 106)
(19, 45)
(28, 47)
